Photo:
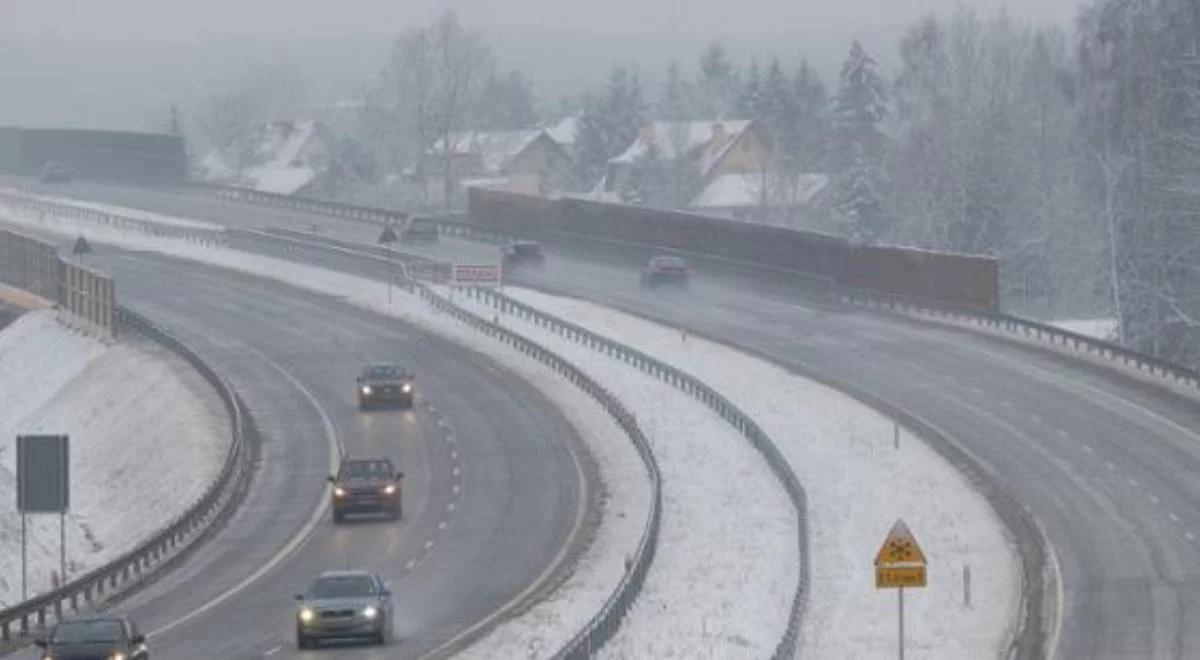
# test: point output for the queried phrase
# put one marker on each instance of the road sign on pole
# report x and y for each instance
(900, 563)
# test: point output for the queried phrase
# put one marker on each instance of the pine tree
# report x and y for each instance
(812, 119)
(750, 102)
(717, 89)
(859, 108)
(609, 123)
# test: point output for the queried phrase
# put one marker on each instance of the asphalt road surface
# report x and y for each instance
(496, 488)
(1106, 464)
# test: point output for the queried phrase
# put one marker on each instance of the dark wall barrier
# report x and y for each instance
(957, 279)
(105, 155)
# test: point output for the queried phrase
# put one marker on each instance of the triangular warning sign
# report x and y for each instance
(900, 547)
(81, 246)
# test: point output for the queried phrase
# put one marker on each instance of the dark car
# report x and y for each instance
(56, 173)
(369, 485)
(419, 230)
(665, 269)
(95, 638)
(522, 252)
(344, 605)
(383, 383)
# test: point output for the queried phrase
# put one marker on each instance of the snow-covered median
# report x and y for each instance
(857, 486)
(148, 435)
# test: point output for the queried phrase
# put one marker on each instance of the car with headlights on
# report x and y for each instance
(350, 604)
(370, 485)
(56, 173)
(94, 638)
(382, 383)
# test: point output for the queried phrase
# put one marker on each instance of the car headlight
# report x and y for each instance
(338, 491)
(389, 489)
(370, 612)
(407, 388)
(366, 389)
(116, 655)
(306, 614)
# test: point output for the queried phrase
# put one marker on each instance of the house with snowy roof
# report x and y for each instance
(527, 161)
(714, 148)
(760, 196)
(285, 156)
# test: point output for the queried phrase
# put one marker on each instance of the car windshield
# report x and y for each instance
(526, 248)
(366, 470)
(384, 371)
(87, 631)
(342, 586)
(668, 262)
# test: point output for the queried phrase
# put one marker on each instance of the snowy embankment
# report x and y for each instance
(132, 213)
(148, 435)
(1102, 329)
(858, 484)
(544, 627)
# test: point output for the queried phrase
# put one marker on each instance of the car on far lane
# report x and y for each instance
(350, 604)
(665, 269)
(56, 173)
(522, 252)
(105, 637)
(385, 382)
(418, 229)
(369, 485)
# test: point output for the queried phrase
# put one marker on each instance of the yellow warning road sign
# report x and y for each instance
(900, 547)
(900, 562)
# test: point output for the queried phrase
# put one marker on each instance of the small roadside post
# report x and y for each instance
(386, 238)
(900, 563)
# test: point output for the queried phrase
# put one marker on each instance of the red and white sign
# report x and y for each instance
(475, 274)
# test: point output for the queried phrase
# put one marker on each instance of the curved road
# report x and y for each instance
(1106, 464)
(494, 494)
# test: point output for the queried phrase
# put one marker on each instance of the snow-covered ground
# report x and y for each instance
(134, 214)
(1105, 329)
(842, 451)
(147, 437)
(857, 486)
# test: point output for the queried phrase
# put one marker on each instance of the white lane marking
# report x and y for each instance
(1087, 449)
(441, 422)
(442, 525)
(450, 506)
(450, 438)
(272, 651)
(1133, 482)
(978, 390)
(1037, 419)
(428, 545)
(1174, 518)
(457, 489)
(1059, 590)
(302, 536)
(1064, 434)
(1109, 465)
(1154, 499)
(410, 564)
(456, 472)
(1190, 536)
(454, 454)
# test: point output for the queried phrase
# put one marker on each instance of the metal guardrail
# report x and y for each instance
(726, 409)
(1022, 328)
(604, 625)
(166, 546)
(336, 209)
(69, 214)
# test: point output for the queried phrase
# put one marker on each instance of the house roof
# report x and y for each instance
(283, 141)
(565, 130)
(496, 149)
(280, 180)
(685, 138)
(745, 190)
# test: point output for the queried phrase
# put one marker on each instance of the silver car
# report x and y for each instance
(344, 605)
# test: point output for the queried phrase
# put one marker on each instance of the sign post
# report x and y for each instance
(476, 275)
(386, 238)
(43, 486)
(900, 563)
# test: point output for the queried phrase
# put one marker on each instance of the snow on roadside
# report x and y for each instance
(147, 437)
(857, 486)
(1103, 329)
(132, 213)
(545, 626)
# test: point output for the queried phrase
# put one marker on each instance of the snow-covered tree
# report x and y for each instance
(859, 108)
(609, 123)
(717, 88)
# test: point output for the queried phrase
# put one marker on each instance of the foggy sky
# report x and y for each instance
(307, 17)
